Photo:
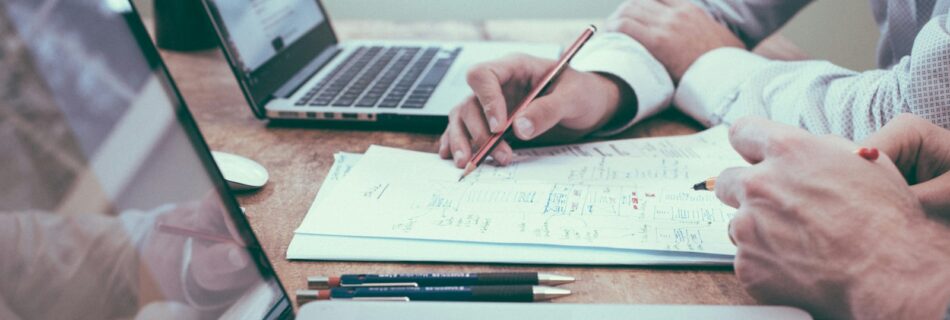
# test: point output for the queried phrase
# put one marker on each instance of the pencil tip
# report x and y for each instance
(468, 169)
(699, 186)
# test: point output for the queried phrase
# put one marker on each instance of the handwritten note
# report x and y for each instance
(343, 162)
(710, 144)
(634, 200)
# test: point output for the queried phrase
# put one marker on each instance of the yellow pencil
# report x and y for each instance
(709, 184)
(868, 153)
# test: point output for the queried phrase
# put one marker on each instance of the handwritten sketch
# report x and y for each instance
(623, 202)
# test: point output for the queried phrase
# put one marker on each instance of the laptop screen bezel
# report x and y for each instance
(259, 87)
(282, 308)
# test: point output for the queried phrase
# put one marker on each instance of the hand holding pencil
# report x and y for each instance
(870, 154)
(576, 104)
(194, 251)
(820, 220)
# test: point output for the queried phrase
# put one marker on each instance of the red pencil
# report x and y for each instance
(548, 79)
(166, 228)
(869, 154)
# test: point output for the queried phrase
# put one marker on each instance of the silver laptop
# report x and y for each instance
(291, 66)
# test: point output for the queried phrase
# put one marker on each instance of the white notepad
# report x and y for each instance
(588, 173)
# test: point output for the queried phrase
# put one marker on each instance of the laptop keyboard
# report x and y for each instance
(382, 77)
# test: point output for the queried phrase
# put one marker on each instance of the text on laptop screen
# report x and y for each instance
(109, 209)
(262, 28)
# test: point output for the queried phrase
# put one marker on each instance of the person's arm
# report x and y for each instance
(726, 84)
(6, 312)
(921, 151)
(612, 83)
(46, 256)
(752, 21)
(637, 71)
(821, 228)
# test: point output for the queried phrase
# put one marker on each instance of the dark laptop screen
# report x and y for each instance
(262, 29)
(268, 42)
(111, 207)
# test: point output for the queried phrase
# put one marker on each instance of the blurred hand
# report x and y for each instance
(217, 271)
(676, 32)
(820, 228)
(577, 103)
(921, 150)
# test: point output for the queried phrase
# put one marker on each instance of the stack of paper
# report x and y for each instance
(615, 202)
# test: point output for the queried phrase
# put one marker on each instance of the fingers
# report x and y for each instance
(756, 138)
(502, 153)
(540, 116)
(458, 139)
(489, 80)
(467, 131)
(643, 10)
(900, 140)
(920, 149)
(444, 146)
(478, 130)
(742, 228)
(486, 83)
(626, 23)
(729, 188)
(474, 121)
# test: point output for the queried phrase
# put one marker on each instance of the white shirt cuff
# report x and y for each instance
(712, 83)
(619, 55)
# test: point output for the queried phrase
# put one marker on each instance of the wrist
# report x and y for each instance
(620, 103)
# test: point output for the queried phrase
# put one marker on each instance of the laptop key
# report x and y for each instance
(343, 102)
(389, 103)
(365, 103)
(320, 102)
(435, 75)
(413, 105)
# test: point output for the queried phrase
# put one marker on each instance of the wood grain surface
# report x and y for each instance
(298, 160)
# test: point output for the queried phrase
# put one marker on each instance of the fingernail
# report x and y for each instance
(525, 127)
(458, 156)
(441, 148)
(493, 124)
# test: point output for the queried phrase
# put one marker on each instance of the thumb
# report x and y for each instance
(538, 117)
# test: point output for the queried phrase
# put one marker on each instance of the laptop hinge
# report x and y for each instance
(305, 73)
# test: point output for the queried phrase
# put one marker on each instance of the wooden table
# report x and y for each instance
(298, 161)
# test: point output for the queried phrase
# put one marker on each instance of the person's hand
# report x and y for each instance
(921, 151)
(577, 103)
(676, 32)
(217, 271)
(821, 228)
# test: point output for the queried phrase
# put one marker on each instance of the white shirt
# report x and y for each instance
(726, 84)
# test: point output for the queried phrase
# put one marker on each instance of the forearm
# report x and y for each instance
(752, 21)
(726, 84)
(629, 65)
(47, 255)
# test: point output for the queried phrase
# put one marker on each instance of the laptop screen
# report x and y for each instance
(112, 207)
(265, 28)
(269, 43)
